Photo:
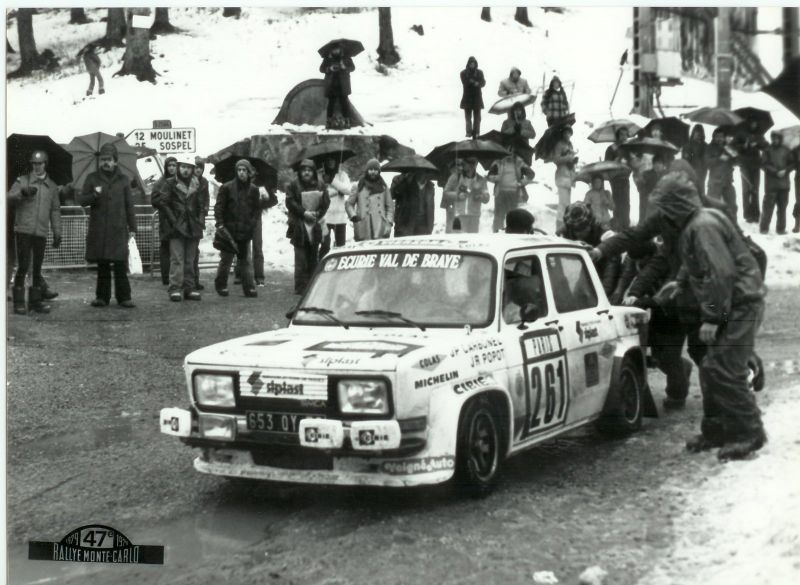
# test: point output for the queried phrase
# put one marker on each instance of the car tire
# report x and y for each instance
(625, 404)
(478, 450)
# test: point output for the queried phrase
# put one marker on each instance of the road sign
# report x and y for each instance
(165, 140)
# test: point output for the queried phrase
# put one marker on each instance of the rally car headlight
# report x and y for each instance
(363, 396)
(214, 390)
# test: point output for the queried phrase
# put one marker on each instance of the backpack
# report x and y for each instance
(757, 251)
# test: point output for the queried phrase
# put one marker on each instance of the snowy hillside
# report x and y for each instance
(227, 78)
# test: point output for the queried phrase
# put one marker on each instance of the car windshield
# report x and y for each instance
(403, 289)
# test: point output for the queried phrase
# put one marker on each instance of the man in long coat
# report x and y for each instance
(111, 221)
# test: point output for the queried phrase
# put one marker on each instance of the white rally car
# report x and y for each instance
(414, 360)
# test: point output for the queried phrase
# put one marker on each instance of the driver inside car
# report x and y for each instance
(523, 285)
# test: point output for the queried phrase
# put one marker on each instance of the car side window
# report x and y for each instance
(523, 283)
(572, 284)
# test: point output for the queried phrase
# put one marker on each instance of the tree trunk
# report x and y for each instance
(235, 12)
(161, 24)
(521, 16)
(115, 28)
(78, 16)
(387, 52)
(486, 14)
(29, 56)
(137, 59)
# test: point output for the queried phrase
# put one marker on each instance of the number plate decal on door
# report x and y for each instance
(544, 362)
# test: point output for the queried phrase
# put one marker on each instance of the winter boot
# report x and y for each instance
(35, 301)
(88, 92)
(741, 449)
(102, 91)
(701, 443)
(19, 300)
(47, 293)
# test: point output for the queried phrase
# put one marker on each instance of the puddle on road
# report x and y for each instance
(208, 536)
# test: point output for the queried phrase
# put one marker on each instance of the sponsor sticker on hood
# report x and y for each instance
(266, 384)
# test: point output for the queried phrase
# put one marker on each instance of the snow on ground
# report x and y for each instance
(743, 524)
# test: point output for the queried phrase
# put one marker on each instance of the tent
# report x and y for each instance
(306, 104)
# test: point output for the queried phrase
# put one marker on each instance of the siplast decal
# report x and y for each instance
(587, 331)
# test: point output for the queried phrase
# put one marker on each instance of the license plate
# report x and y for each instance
(275, 422)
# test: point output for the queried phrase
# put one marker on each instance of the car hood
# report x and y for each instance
(319, 348)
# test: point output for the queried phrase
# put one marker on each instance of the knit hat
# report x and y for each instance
(373, 163)
(247, 165)
(109, 149)
(519, 221)
(578, 216)
(168, 160)
(199, 161)
(307, 162)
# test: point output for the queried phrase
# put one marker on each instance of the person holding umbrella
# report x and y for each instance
(111, 223)
(510, 175)
(180, 201)
(555, 105)
(620, 185)
(413, 194)
(370, 205)
(466, 191)
(337, 66)
(565, 157)
(472, 80)
(750, 143)
(307, 201)
(517, 126)
(721, 157)
(514, 84)
(694, 152)
(36, 202)
(776, 162)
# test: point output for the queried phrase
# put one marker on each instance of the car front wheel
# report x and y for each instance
(479, 446)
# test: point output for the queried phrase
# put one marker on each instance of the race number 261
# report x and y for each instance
(548, 393)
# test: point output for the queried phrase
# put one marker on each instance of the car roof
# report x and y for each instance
(495, 244)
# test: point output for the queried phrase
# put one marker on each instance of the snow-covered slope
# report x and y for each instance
(227, 78)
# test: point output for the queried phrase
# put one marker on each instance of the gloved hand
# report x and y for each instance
(29, 191)
(309, 216)
(355, 219)
(708, 332)
(56, 242)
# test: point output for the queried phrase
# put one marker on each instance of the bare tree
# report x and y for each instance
(161, 24)
(78, 16)
(387, 52)
(137, 60)
(486, 14)
(29, 56)
(115, 28)
(235, 12)
(521, 16)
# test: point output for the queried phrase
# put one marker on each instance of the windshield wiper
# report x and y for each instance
(390, 315)
(324, 312)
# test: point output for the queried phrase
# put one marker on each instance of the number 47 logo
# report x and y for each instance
(97, 538)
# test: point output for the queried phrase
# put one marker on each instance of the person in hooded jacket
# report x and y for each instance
(237, 210)
(777, 164)
(466, 191)
(514, 84)
(554, 102)
(205, 197)
(621, 185)
(337, 67)
(180, 200)
(413, 195)
(510, 175)
(694, 152)
(111, 222)
(370, 205)
(170, 170)
(580, 225)
(725, 281)
(472, 80)
(517, 124)
(307, 201)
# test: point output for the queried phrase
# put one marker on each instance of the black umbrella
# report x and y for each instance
(714, 116)
(608, 169)
(514, 142)
(350, 48)
(483, 150)
(266, 175)
(673, 130)
(648, 145)
(441, 161)
(786, 87)
(19, 148)
(762, 118)
(412, 163)
(544, 148)
(321, 151)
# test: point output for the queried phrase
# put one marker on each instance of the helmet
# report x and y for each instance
(185, 159)
(578, 215)
(38, 156)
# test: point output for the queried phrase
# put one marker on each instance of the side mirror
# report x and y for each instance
(528, 313)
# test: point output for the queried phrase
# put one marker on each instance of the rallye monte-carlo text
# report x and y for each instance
(415, 360)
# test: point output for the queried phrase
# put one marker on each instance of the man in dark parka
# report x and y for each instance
(111, 222)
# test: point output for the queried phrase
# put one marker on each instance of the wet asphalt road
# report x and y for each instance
(85, 387)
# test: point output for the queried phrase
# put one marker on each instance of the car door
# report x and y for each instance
(538, 375)
(582, 315)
